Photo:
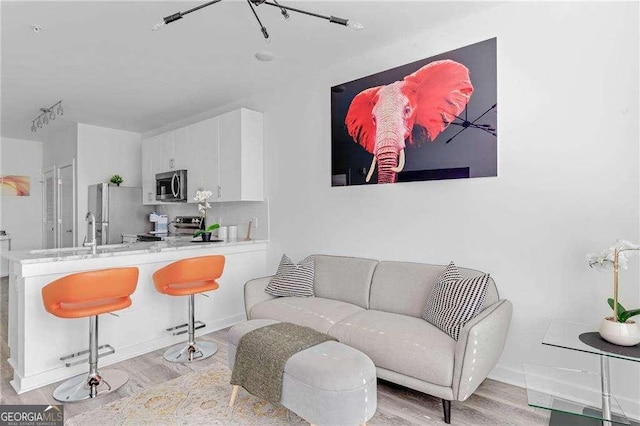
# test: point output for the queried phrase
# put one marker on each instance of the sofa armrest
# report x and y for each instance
(479, 347)
(254, 293)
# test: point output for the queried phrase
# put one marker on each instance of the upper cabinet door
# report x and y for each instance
(241, 156)
(148, 175)
(202, 158)
(162, 153)
(180, 149)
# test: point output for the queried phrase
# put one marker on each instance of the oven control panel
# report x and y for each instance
(187, 221)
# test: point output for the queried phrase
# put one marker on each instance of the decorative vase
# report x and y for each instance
(619, 333)
(206, 236)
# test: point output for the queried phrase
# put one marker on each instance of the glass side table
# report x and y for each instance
(590, 407)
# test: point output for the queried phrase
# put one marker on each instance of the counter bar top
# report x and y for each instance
(78, 253)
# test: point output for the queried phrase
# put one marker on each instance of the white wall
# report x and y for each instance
(21, 217)
(568, 179)
(102, 153)
(568, 173)
(60, 143)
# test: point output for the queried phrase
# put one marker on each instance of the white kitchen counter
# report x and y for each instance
(38, 339)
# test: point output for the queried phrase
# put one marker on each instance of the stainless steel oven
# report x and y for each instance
(171, 186)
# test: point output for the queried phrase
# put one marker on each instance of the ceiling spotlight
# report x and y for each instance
(36, 29)
(284, 10)
(265, 56)
(45, 115)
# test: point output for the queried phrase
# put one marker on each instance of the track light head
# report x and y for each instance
(60, 111)
(33, 126)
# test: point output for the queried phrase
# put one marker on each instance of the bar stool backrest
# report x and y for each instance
(195, 269)
(90, 293)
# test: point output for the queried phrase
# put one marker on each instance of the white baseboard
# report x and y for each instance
(574, 392)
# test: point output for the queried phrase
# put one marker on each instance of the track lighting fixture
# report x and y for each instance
(284, 10)
(46, 114)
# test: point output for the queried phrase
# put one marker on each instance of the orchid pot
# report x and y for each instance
(618, 329)
(620, 333)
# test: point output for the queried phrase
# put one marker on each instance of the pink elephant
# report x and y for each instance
(382, 118)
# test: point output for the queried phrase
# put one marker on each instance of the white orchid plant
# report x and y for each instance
(615, 257)
(202, 197)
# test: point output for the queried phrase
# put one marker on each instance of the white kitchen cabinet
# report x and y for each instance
(162, 159)
(181, 150)
(148, 175)
(223, 154)
(202, 164)
(241, 156)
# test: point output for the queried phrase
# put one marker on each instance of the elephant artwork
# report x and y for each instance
(387, 118)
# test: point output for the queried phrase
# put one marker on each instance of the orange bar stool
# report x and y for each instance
(89, 294)
(189, 277)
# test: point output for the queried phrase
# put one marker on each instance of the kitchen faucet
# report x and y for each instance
(93, 244)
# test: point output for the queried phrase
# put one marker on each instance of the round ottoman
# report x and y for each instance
(328, 384)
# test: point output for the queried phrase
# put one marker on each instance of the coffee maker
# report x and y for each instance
(160, 223)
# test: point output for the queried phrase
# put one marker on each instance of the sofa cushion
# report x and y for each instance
(404, 287)
(455, 300)
(347, 279)
(315, 312)
(400, 343)
(292, 279)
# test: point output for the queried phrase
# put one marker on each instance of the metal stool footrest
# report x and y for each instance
(109, 350)
(197, 326)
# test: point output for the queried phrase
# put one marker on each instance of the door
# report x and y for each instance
(67, 206)
(49, 207)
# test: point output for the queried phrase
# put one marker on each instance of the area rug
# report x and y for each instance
(199, 398)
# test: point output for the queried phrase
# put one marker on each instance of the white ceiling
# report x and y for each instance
(111, 70)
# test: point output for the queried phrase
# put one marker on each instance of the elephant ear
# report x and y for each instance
(442, 91)
(359, 118)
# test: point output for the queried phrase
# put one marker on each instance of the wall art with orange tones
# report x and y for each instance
(17, 186)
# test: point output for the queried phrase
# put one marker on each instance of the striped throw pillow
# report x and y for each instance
(293, 279)
(455, 300)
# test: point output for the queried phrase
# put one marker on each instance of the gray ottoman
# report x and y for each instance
(328, 384)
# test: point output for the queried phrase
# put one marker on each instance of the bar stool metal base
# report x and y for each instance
(190, 353)
(78, 389)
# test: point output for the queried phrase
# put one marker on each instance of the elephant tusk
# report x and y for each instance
(400, 163)
(371, 169)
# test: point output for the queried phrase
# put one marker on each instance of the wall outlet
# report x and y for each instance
(254, 221)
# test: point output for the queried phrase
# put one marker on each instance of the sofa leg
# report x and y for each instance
(446, 407)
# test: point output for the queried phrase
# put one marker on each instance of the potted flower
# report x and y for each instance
(619, 328)
(116, 179)
(202, 197)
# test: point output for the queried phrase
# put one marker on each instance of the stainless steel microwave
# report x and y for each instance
(171, 186)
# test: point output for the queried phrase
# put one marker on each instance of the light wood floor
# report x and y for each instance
(494, 403)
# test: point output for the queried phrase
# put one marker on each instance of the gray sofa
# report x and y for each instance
(377, 307)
